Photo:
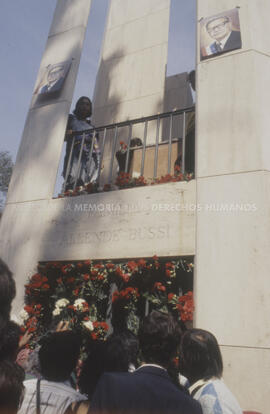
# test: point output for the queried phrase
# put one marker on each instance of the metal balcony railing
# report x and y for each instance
(150, 145)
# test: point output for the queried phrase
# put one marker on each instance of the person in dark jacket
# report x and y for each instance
(149, 388)
(80, 171)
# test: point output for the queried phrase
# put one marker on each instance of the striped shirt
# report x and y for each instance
(55, 397)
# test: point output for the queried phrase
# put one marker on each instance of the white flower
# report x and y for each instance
(56, 311)
(88, 325)
(23, 315)
(61, 303)
(79, 304)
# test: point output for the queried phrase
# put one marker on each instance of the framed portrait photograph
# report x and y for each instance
(53, 78)
(220, 34)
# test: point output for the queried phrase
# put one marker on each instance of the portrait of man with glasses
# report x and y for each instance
(53, 78)
(220, 29)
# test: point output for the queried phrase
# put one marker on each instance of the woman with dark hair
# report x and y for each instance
(9, 341)
(117, 354)
(87, 171)
(11, 387)
(53, 392)
(201, 363)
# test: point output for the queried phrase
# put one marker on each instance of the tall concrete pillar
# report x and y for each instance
(132, 70)
(31, 188)
(233, 195)
(130, 82)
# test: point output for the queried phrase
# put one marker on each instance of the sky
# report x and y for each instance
(25, 26)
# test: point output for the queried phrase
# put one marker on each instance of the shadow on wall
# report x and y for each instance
(68, 223)
(41, 146)
(33, 179)
(50, 229)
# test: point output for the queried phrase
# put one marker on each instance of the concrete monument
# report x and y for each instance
(232, 164)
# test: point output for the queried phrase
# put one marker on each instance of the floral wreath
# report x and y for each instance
(88, 293)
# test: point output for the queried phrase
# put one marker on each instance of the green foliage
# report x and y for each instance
(6, 166)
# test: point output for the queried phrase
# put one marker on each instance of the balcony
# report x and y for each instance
(133, 153)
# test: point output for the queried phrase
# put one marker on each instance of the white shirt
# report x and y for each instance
(151, 365)
(55, 397)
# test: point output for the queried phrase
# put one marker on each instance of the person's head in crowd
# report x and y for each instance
(121, 351)
(7, 293)
(83, 108)
(9, 341)
(116, 354)
(192, 79)
(92, 369)
(219, 27)
(58, 355)
(200, 356)
(159, 338)
(11, 387)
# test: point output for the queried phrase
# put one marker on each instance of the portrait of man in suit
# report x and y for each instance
(221, 30)
(54, 78)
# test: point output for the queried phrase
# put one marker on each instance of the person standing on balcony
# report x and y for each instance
(84, 171)
(190, 136)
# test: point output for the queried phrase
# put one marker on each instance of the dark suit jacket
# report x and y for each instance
(147, 390)
(55, 88)
(233, 42)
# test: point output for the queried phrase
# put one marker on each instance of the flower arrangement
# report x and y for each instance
(125, 180)
(80, 293)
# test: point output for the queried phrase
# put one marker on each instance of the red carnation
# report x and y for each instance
(159, 286)
(87, 262)
(132, 265)
(171, 296)
(142, 262)
(168, 273)
(70, 280)
(28, 309)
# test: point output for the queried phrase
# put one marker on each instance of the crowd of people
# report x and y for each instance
(163, 369)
